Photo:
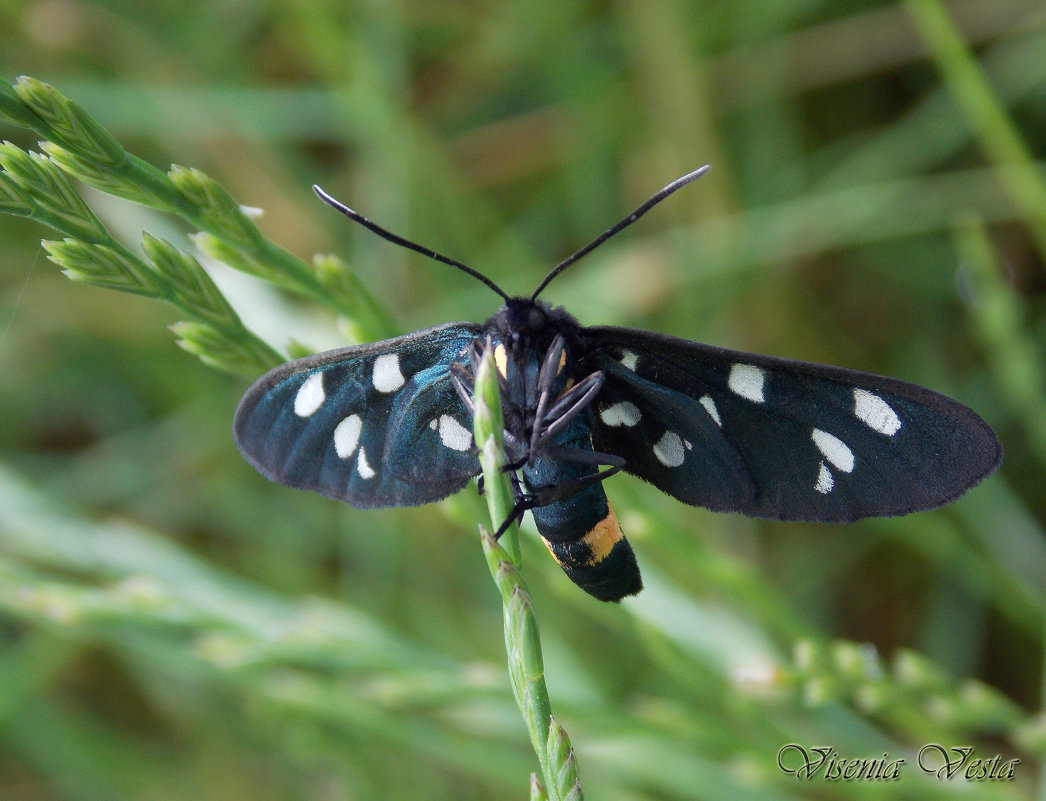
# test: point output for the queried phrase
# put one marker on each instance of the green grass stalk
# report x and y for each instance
(522, 640)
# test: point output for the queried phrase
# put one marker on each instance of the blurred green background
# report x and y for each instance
(173, 626)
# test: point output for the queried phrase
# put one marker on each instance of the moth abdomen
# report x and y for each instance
(601, 562)
(580, 529)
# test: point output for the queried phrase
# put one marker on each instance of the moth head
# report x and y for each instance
(521, 320)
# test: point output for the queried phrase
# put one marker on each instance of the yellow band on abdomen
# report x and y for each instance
(603, 537)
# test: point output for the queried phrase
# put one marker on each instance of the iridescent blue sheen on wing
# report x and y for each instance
(374, 425)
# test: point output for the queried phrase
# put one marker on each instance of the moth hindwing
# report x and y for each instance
(390, 424)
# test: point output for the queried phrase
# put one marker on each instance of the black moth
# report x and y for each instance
(390, 424)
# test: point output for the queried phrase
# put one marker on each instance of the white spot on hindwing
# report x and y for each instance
(387, 376)
(347, 436)
(629, 359)
(621, 414)
(825, 482)
(310, 395)
(453, 434)
(671, 449)
(875, 413)
(747, 381)
(363, 467)
(834, 450)
(710, 407)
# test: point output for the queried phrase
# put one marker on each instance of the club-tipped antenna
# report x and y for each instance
(679, 183)
(406, 243)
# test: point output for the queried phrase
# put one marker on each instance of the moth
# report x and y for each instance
(390, 424)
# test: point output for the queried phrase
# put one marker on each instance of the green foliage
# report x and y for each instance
(172, 626)
(91, 255)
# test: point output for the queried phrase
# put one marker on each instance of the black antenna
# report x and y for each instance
(399, 240)
(679, 183)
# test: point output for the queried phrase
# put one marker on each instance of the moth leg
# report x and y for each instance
(556, 492)
(576, 455)
(513, 516)
(523, 503)
(512, 467)
(591, 383)
(549, 493)
(570, 405)
(546, 378)
(481, 484)
(463, 383)
(582, 456)
(544, 495)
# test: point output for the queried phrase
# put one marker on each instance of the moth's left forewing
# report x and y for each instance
(777, 438)
(373, 425)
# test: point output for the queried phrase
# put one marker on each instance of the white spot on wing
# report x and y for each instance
(834, 450)
(710, 407)
(347, 435)
(310, 396)
(362, 466)
(825, 482)
(747, 381)
(387, 376)
(876, 413)
(453, 434)
(669, 450)
(629, 359)
(621, 414)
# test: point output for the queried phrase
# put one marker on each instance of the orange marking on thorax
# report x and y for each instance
(501, 360)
